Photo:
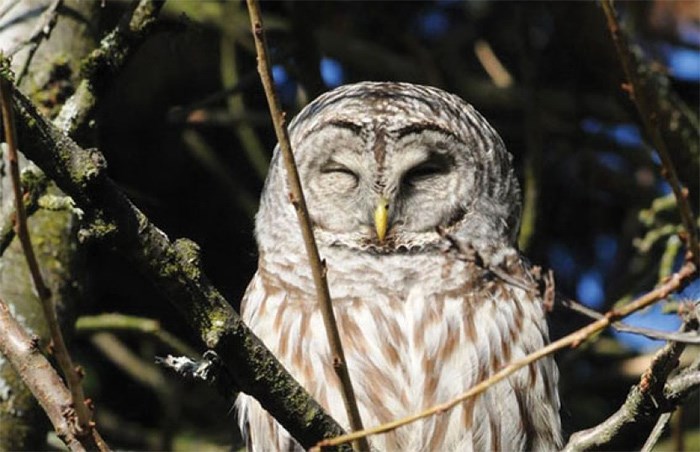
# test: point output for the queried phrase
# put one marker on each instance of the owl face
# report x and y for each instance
(386, 166)
(383, 184)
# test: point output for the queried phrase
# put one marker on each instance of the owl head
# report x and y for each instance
(391, 168)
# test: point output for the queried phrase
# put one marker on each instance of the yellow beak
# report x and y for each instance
(381, 218)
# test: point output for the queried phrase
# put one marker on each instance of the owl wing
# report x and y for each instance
(259, 430)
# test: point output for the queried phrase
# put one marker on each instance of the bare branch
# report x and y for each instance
(683, 384)
(120, 323)
(691, 337)
(41, 31)
(656, 432)
(318, 267)
(48, 388)
(34, 184)
(571, 340)
(649, 117)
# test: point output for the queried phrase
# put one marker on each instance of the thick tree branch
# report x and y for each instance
(318, 267)
(114, 50)
(174, 269)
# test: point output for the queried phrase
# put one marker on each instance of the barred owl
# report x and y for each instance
(415, 208)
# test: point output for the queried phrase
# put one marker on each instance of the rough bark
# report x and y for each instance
(49, 69)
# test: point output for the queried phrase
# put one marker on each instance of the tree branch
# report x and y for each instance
(43, 381)
(109, 57)
(318, 267)
(121, 323)
(175, 271)
(41, 31)
(649, 114)
(34, 184)
(691, 337)
(656, 432)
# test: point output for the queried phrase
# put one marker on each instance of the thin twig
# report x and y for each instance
(572, 340)
(42, 30)
(492, 64)
(179, 114)
(650, 120)
(7, 7)
(245, 131)
(138, 369)
(147, 374)
(42, 380)
(73, 379)
(121, 323)
(677, 433)
(686, 338)
(656, 432)
(238, 195)
(318, 267)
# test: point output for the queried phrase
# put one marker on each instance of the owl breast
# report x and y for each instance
(412, 339)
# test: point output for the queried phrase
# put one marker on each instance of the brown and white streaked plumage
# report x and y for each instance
(420, 323)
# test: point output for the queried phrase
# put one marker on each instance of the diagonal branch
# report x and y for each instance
(690, 337)
(574, 339)
(318, 267)
(649, 117)
(175, 271)
(43, 381)
(114, 50)
(656, 432)
(122, 323)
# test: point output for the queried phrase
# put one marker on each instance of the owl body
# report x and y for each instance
(421, 319)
